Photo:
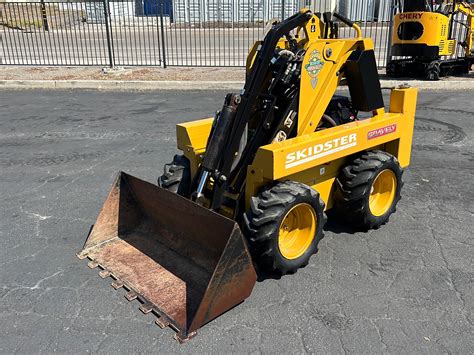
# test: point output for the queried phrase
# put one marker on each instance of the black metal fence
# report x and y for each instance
(162, 32)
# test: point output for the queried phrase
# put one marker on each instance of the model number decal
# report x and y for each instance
(320, 150)
(381, 131)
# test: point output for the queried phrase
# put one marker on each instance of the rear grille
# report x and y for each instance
(442, 44)
(444, 29)
(451, 46)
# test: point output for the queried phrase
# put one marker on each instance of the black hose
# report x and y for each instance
(329, 120)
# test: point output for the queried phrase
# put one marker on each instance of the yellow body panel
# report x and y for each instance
(192, 138)
(435, 30)
(316, 158)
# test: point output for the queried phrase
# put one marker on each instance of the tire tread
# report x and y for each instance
(263, 219)
(353, 186)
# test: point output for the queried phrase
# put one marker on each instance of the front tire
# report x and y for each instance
(176, 176)
(284, 227)
(368, 189)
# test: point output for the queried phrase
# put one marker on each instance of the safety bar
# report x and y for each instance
(349, 23)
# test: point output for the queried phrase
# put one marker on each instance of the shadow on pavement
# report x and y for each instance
(337, 225)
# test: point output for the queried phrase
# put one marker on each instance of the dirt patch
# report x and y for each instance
(126, 74)
(139, 73)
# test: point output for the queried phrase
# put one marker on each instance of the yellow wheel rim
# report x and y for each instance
(297, 231)
(382, 192)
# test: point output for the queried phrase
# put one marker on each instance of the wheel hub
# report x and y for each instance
(382, 192)
(297, 231)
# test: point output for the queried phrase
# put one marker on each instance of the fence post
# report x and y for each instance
(390, 32)
(282, 10)
(107, 30)
(162, 26)
(45, 18)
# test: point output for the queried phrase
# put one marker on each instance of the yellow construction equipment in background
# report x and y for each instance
(425, 38)
(250, 191)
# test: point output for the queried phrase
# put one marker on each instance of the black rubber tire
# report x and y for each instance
(353, 186)
(433, 70)
(393, 70)
(262, 221)
(176, 176)
(467, 68)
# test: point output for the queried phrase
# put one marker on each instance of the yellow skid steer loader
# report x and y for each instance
(250, 190)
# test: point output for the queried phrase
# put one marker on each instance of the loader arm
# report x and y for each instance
(255, 106)
(264, 112)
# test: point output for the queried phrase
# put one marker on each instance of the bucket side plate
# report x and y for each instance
(184, 263)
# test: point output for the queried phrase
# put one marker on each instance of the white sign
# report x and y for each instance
(320, 150)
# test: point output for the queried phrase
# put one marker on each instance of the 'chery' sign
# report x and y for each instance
(411, 16)
(381, 131)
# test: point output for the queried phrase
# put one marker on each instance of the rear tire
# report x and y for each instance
(284, 227)
(368, 189)
(176, 176)
(392, 70)
(433, 70)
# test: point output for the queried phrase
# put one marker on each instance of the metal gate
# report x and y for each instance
(164, 32)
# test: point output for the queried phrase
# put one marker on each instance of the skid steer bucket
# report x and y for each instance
(183, 262)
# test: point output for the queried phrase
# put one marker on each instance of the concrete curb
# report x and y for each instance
(450, 84)
(201, 85)
(121, 85)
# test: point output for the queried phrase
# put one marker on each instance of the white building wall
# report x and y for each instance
(231, 11)
(235, 11)
(365, 10)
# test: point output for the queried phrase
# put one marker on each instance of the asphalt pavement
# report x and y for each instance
(405, 288)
